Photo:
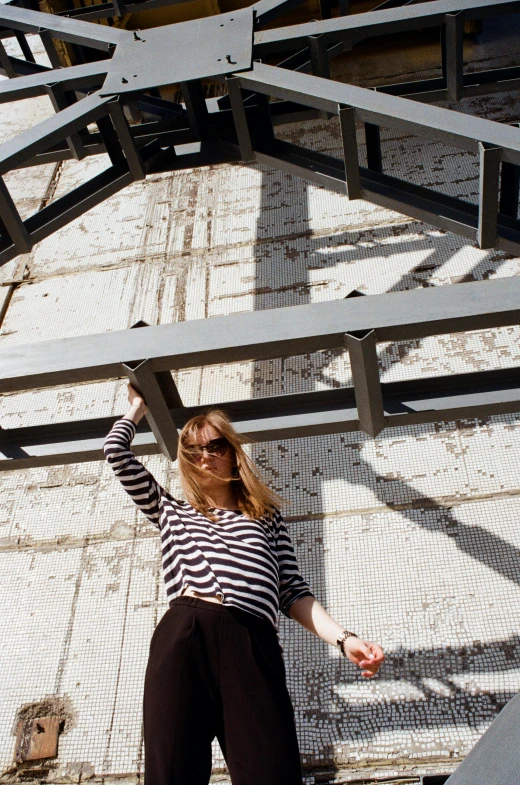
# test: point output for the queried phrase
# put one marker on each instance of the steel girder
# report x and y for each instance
(242, 125)
(358, 323)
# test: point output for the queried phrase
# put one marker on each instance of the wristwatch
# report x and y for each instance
(340, 643)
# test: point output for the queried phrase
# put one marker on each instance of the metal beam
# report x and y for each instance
(12, 221)
(347, 120)
(279, 417)
(357, 27)
(454, 55)
(51, 130)
(61, 101)
(433, 122)
(72, 78)
(158, 415)
(240, 119)
(73, 31)
(6, 62)
(488, 195)
(133, 159)
(256, 336)
(362, 349)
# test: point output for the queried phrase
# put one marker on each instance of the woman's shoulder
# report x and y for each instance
(273, 518)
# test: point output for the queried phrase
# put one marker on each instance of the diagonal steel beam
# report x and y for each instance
(72, 78)
(357, 27)
(71, 30)
(51, 130)
(490, 158)
(433, 122)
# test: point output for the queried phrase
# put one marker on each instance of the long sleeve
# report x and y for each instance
(137, 481)
(292, 585)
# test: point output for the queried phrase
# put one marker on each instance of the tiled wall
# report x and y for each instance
(412, 538)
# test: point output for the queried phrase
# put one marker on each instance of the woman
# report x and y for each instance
(215, 666)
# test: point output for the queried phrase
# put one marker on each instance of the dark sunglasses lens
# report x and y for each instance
(217, 447)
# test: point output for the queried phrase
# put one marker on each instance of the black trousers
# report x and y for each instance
(217, 671)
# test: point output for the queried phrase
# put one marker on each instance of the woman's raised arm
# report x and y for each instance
(137, 481)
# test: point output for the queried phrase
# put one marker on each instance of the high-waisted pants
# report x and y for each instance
(217, 671)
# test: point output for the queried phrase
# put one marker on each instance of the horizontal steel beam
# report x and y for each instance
(255, 336)
(279, 417)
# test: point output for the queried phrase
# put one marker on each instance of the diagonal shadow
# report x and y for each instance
(325, 716)
(439, 682)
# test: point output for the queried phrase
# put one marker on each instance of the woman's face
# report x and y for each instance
(220, 465)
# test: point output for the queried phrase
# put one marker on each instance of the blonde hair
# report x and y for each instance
(254, 498)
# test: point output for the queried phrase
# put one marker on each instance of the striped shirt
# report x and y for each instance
(249, 564)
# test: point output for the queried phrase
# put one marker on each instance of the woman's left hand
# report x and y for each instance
(368, 656)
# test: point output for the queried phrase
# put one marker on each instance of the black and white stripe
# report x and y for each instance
(248, 564)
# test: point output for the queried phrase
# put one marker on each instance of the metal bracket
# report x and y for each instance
(454, 55)
(158, 415)
(347, 121)
(365, 375)
(240, 119)
(490, 158)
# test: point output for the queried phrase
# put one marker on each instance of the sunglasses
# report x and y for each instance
(216, 447)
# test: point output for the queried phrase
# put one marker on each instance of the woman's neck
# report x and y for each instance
(222, 497)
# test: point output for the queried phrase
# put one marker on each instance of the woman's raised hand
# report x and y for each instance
(134, 399)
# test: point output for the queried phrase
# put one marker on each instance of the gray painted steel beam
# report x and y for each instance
(75, 77)
(356, 27)
(319, 57)
(495, 758)
(73, 31)
(488, 195)
(12, 221)
(280, 417)
(50, 49)
(362, 349)
(454, 55)
(6, 63)
(133, 159)
(240, 119)
(158, 415)
(255, 336)
(443, 125)
(51, 130)
(60, 102)
(347, 121)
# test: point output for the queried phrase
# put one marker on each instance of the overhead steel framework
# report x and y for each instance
(109, 103)
(119, 72)
(147, 355)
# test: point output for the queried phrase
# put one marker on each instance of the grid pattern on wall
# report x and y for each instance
(411, 538)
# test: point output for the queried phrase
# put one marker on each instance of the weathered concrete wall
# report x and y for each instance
(411, 538)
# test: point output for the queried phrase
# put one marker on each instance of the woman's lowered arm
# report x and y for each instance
(308, 612)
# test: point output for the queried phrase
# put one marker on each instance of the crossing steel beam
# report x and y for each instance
(242, 124)
(360, 322)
